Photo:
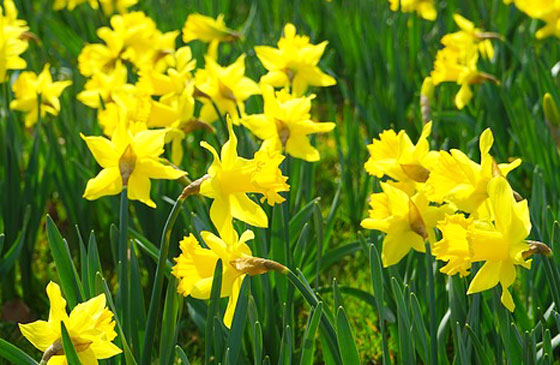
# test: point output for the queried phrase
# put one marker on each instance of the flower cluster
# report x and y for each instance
(457, 61)
(160, 108)
(471, 204)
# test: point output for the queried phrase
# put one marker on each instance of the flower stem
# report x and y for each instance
(123, 260)
(431, 305)
(155, 300)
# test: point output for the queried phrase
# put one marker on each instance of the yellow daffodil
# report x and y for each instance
(545, 10)
(120, 6)
(132, 37)
(227, 87)
(12, 45)
(71, 4)
(457, 179)
(175, 88)
(231, 177)
(195, 267)
(500, 244)
(128, 160)
(425, 8)
(457, 61)
(454, 247)
(90, 326)
(469, 35)
(294, 63)
(101, 85)
(394, 155)
(30, 89)
(286, 124)
(407, 221)
(206, 29)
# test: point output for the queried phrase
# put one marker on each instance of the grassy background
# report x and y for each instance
(379, 59)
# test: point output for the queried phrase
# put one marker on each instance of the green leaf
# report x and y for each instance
(184, 359)
(168, 326)
(14, 355)
(286, 346)
(213, 310)
(346, 343)
(67, 273)
(69, 350)
(479, 351)
(308, 341)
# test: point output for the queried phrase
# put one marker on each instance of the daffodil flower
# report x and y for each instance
(394, 155)
(469, 35)
(501, 243)
(425, 8)
(90, 326)
(231, 177)
(407, 221)
(128, 160)
(457, 179)
(195, 267)
(11, 43)
(545, 10)
(30, 89)
(206, 29)
(226, 87)
(286, 124)
(294, 63)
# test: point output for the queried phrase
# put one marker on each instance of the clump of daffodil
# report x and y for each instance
(128, 161)
(407, 221)
(108, 6)
(90, 326)
(546, 10)
(12, 42)
(294, 63)
(286, 124)
(425, 8)
(458, 60)
(457, 179)
(133, 38)
(195, 267)
(231, 177)
(31, 89)
(175, 89)
(394, 155)
(224, 88)
(209, 30)
(500, 242)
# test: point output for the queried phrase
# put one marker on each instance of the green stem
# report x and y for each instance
(123, 259)
(155, 300)
(311, 298)
(432, 305)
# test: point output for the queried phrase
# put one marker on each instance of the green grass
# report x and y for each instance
(379, 59)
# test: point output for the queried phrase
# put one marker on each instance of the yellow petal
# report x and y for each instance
(57, 312)
(102, 150)
(40, 333)
(107, 182)
(139, 188)
(232, 303)
(156, 170)
(487, 277)
(247, 210)
(506, 299)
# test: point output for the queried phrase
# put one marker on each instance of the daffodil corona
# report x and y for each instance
(90, 326)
